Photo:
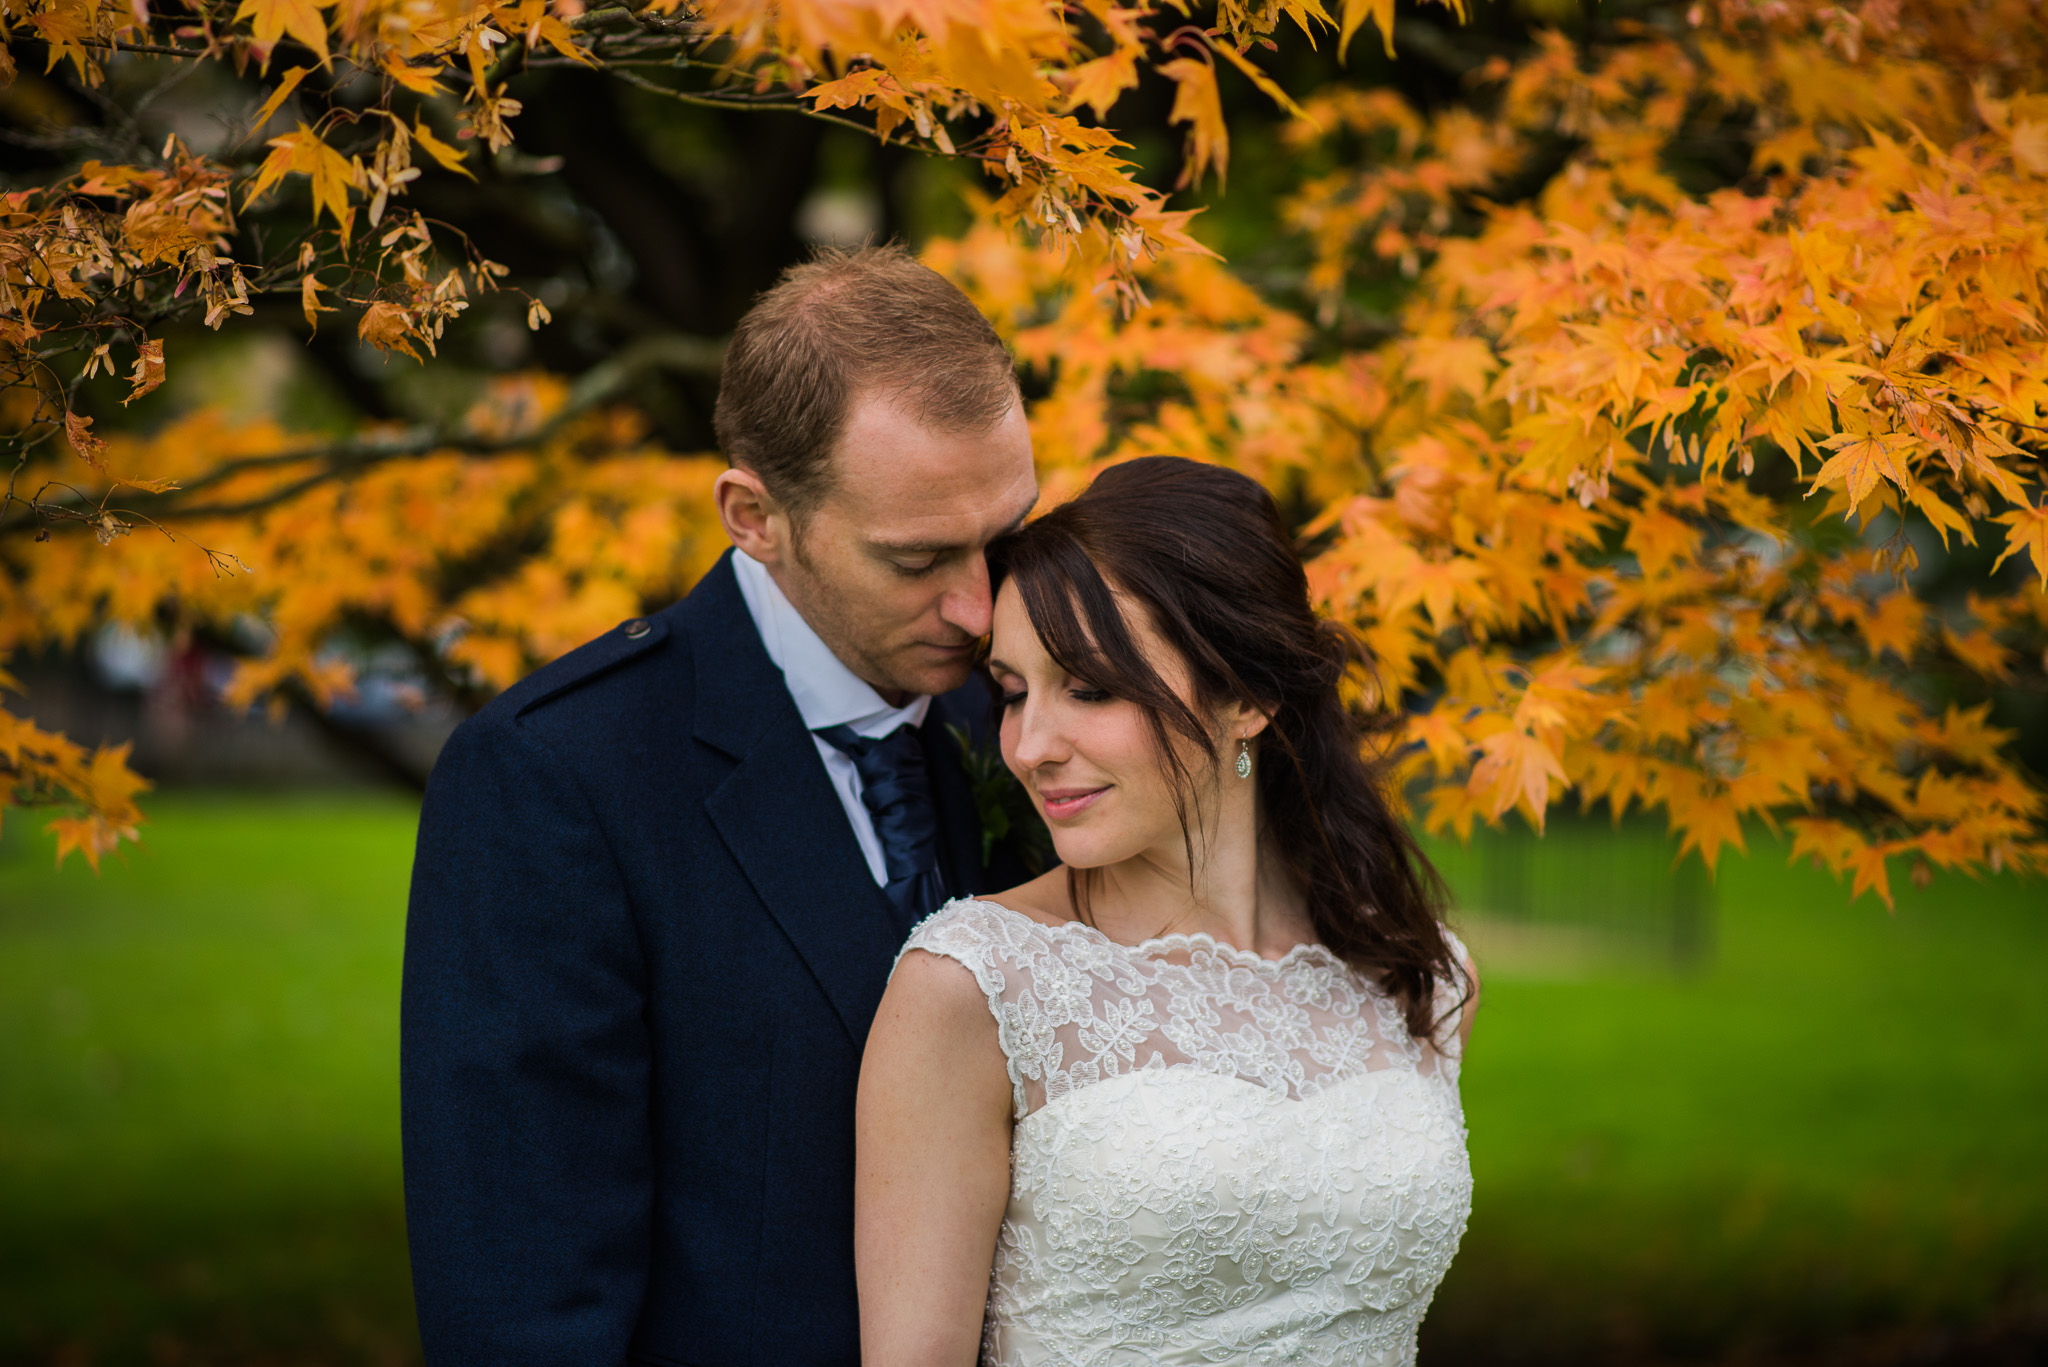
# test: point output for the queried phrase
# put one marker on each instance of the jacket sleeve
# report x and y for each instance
(524, 1067)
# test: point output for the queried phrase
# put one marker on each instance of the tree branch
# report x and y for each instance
(338, 460)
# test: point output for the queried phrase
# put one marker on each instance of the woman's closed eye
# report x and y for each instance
(1010, 697)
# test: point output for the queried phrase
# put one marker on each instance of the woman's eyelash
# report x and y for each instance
(1088, 694)
(1009, 700)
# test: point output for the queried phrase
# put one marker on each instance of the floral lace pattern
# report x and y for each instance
(1217, 1157)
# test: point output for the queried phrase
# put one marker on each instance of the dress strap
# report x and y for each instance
(991, 942)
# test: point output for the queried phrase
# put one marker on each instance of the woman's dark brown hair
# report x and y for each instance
(1204, 551)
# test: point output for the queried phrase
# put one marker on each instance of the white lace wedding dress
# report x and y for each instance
(1218, 1158)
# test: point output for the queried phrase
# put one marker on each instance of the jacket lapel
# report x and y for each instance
(777, 812)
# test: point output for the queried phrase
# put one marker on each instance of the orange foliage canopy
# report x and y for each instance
(1624, 500)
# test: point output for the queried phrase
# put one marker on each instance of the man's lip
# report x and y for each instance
(1061, 803)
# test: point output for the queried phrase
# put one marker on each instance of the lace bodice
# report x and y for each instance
(1217, 1157)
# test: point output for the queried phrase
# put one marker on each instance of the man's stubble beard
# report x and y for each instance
(826, 612)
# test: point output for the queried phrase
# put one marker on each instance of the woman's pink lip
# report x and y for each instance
(1065, 802)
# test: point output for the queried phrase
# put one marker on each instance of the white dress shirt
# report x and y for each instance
(827, 693)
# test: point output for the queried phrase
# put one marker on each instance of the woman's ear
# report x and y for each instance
(1242, 721)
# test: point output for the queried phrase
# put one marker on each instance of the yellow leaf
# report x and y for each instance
(285, 86)
(1440, 735)
(1515, 766)
(450, 157)
(1710, 824)
(1861, 458)
(1895, 626)
(111, 785)
(1356, 12)
(1979, 650)
(2030, 146)
(309, 300)
(90, 449)
(385, 326)
(1871, 874)
(418, 79)
(558, 36)
(1659, 540)
(148, 372)
(1941, 516)
(1450, 365)
(1260, 79)
(276, 18)
(2029, 533)
(1098, 83)
(1197, 104)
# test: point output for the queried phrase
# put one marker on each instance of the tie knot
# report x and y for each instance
(897, 793)
(897, 748)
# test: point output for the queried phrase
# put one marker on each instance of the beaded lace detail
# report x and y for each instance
(1161, 1210)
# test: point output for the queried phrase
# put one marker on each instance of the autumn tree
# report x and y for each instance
(1666, 408)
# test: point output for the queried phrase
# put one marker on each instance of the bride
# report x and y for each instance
(1193, 1097)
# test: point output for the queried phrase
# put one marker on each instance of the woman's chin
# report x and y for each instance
(1088, 849)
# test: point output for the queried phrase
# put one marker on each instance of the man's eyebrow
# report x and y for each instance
(887, 547)
(913, 547)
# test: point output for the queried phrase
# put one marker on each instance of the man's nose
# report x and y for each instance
(968, 604)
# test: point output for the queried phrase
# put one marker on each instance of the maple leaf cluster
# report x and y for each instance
(1629, 503)
(1625, 496)
(356, 104)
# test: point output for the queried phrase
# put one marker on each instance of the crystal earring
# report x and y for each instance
(1244, 757)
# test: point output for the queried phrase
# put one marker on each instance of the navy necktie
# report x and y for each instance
(898, 795)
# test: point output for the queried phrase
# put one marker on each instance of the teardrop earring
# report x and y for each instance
(1244, 757)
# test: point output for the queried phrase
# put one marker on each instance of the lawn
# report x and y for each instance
(1739, 1121)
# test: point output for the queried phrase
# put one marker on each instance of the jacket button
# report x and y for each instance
(636, 628)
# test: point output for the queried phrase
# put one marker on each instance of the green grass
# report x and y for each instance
(198, 1056)
(1822, 1124)
(1709, 1122)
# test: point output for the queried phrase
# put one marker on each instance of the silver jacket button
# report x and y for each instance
(636, 628)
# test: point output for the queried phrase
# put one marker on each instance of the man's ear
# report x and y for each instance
(755, 522)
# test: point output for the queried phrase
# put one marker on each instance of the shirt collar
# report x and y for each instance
(826, 692)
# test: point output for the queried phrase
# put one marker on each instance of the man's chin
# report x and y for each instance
(935, 677)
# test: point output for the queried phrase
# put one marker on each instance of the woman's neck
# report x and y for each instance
(1238, 893)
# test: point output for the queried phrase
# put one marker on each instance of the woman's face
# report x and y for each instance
(1088, 760)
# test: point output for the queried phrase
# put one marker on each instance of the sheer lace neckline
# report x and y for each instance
(1178, 942)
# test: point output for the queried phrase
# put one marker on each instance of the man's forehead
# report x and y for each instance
(950, 524)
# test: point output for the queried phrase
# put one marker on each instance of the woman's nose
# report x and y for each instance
(1034, 739)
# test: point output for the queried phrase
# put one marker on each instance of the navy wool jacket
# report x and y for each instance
(642, 955)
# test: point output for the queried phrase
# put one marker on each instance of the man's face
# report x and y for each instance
(888, 569)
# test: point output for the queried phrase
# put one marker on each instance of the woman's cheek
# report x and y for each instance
(1006, 742)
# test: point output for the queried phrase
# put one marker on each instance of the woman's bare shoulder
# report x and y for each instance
(1044, 899)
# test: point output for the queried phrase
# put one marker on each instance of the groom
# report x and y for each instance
(660, 884)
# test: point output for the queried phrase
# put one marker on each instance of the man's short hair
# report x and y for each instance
(839, 326)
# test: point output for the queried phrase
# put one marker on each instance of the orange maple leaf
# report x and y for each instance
(1515, 766)
(1197, 104)
(276, 18)
(1861, 459)
(2030, 534)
